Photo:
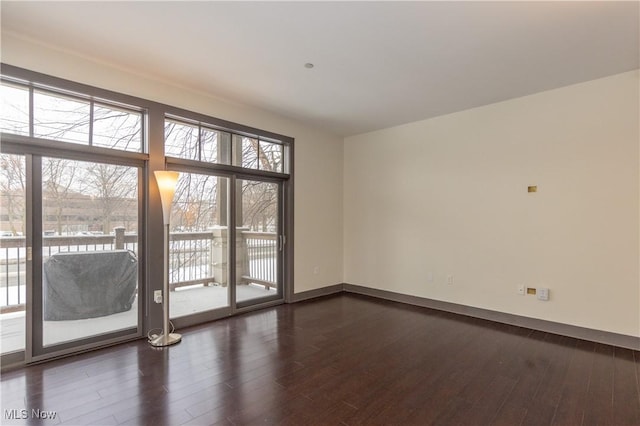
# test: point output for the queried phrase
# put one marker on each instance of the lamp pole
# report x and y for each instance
(167, 185)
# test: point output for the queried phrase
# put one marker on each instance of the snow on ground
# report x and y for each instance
(182, 302)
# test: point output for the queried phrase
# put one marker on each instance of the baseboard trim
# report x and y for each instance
(599, 336)
(12, 361)
(319, 292)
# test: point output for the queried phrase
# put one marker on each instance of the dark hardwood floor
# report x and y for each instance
(339, 360)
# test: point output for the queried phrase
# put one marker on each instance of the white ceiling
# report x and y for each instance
(377, 64)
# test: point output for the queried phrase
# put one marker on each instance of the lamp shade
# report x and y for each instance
(167, 185)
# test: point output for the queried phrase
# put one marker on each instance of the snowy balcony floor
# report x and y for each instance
(182, 302)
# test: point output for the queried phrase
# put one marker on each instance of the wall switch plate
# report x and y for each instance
(157, 296)
(543, 294)
(520, 289)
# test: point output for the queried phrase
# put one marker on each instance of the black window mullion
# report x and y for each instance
(31, 109)
(199, 147)
(144, 122)
(91, 116)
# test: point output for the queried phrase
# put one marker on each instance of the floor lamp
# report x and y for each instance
(167, 185)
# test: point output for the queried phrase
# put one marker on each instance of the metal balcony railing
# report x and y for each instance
(196, 259)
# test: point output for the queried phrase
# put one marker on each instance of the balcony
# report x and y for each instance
(198, 277)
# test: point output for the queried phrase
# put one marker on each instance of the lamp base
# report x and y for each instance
(166, 340)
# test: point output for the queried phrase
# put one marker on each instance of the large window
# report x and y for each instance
(202, 216)
(71, 177)
(78, 194)
(56, 116)
(14, 109)
(90, 251)
(253, 153)
(198, 246)
(13, 252)
(193, 140)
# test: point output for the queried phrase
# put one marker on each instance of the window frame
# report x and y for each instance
(216, 124)
(50, 90)
(150, 158)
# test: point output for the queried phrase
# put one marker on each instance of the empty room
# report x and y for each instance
(320, 213)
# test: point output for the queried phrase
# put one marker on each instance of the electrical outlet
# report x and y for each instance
(316, 270)
(157, 296)
(520, 289)
(450, 279)
(543, 293)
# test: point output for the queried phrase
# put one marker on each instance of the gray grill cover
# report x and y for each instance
(89, 284)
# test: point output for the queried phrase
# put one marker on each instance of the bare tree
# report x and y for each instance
(58, 177)
(116, 187)
(267, 155)
(259, 199)
(260, 205)
(12, 186)
(194, 205)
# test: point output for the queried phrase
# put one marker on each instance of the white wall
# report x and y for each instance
(318, 155)
(448, 196)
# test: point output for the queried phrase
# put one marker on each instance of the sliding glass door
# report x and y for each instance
(88, 218)
(259, 242)
(80, 219)
(198, 245)
(13, 255)
(202, 246)
(70, 270)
